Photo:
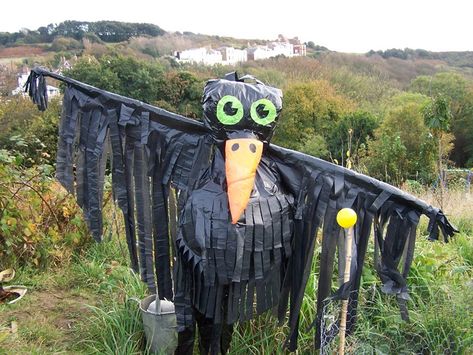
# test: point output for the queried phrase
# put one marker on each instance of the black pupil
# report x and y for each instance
(260, 109)
(229, 110)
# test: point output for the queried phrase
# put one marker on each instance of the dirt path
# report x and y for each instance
(46, 321)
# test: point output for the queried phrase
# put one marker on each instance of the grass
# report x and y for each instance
(115, 328)
(84, 306)
(79, 308)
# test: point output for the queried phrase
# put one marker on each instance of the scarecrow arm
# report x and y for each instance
(147, 149)
(321, 189)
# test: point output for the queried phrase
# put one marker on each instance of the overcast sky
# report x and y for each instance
(341, 25)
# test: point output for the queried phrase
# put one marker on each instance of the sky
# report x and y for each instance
(342, 25)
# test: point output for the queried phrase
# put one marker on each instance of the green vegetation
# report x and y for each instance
(108, 31)
(29, 134)
(176, 90)
(402, 148)
(40, 224)
(457, 92)
(460, 59)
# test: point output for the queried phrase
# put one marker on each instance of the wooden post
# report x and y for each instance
(346, 218)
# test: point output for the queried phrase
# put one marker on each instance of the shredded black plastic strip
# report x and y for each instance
(161, 238)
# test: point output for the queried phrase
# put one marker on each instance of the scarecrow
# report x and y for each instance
(218, 219)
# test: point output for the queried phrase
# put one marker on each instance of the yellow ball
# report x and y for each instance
(346, 218)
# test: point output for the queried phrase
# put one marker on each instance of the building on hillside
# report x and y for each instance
(273, 49)
(281, 48)
(203, 55)
(259, 52)
(52, 91)
(232, 55)
(300, 50)
(64, 64)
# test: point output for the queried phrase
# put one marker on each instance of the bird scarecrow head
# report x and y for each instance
(243, 115)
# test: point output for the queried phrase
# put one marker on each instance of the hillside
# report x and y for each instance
(47, 44)
(155, 41)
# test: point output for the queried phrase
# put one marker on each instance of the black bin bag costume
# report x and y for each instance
(169, 179)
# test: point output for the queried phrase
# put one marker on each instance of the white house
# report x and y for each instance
(271, 50)
(202, 55)
(52, 91)
(21, 80)
(232, 55)
(260, 52)
(282, 48)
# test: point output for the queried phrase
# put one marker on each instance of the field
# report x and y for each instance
(85, 305)
(20, 51)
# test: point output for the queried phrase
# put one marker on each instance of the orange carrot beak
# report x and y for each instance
(242, 157)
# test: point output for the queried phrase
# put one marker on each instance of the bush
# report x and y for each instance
(402, 148)
(31, 134)
(64, 44)
(40, 223)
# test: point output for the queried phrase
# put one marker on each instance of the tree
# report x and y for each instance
(177, 91)
(182, 91)
(351, 133)
(314, 144)
(93, 72)
(29, 132)
(63, 44)
(123, 75)
(437, 117)
(310, 112)
(459, 93)
(403, 146)
(387, 158)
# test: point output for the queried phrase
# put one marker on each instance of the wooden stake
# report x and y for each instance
(346, 278)
(346, 218)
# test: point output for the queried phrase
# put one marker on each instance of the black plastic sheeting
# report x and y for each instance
(168, 178)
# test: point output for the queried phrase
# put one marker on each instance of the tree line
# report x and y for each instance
(460, 59)
(107, 31)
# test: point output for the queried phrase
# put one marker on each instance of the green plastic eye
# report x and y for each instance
(229, 110)
(263, 112)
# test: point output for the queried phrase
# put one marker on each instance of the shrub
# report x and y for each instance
(31, 134)
(64, 44)
(40, 223)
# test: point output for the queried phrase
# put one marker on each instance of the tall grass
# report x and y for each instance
(115, 325)
(114, 328)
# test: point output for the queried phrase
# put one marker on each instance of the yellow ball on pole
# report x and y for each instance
(346, 218)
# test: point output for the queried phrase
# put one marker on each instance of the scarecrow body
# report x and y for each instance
(242, 245)
(234, 260)
(229, 272)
